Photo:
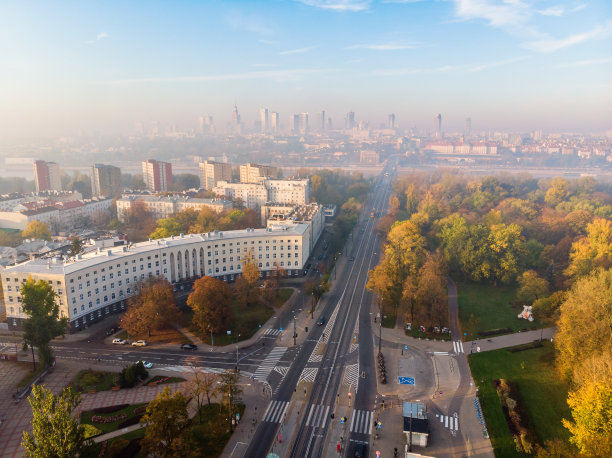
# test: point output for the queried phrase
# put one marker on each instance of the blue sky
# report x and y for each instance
(507, 64)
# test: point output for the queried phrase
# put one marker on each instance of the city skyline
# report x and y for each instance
(507, 65)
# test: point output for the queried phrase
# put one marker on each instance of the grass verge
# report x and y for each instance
(283, 296)
(544, 394)
(88, 379)
(493, 305)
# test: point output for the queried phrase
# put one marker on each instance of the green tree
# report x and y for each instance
(166, 418)
(75, 246)
(531, 287)
(166, 227)
(557, 193)
(508, 251)
(55, 433)
(153, 308)
(211, 302)
(43, 323)
(37, 230)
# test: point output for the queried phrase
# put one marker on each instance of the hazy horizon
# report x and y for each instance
(508, 65)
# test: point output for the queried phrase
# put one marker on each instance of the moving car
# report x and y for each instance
(321, 321)
(147, 364)
(119, 341)
(189, 347)
(139, 343)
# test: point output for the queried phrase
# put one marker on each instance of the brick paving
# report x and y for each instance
(19, 416)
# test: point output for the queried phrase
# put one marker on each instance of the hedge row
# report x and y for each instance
(110, 409)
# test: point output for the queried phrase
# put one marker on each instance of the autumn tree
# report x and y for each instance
(166, 227)
(200, 386)
(431, 302)
(531, 287)
(43, 323)
(55, 433)
(247, 285)
(558, 192)
(211, 302)
(592, 251)
(37, 230)
(166, 418)
(229, 389)
(153, 308)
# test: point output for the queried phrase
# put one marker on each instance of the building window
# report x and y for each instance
(82, 307)
(74, 311)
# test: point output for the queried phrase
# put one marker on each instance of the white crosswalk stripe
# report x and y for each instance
(308, 374)
(272, 332)
(361, 422)
(276, 411)
(450, 421)
(282, 370)
(267, 365)
(351, 375)
(458, 346)
(317, 416)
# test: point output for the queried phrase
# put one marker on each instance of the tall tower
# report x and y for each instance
(438, 125)
(391, 123)
(274, 122)
(349, 121)
(321, 120)
(265, 120)
(303, 123)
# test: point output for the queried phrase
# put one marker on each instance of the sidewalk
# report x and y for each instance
(509, 340)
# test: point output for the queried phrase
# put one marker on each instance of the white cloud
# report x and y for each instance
(101, 36)
(339, 5)
(278, 75)
(584, 63)
(504, 13)
(296, 51)
(554, 44)
(384, 46)
(560, 10)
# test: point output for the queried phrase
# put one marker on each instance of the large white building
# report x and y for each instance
(253, 173)
(165, 206)
(93, 285)
(254, 195)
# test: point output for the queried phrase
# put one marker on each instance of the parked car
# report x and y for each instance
(408, 326)
(189, 347)
(321, 321)
(119, 341)
(110, 331)
(139, 343)
(147, 364)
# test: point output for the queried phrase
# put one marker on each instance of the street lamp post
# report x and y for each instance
(294, 330)
(312, 306)
(212, 341)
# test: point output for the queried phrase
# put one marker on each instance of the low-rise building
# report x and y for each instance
(416, 424)
(165, 206)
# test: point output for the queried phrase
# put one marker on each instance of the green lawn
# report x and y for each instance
(493, 305)
(283, 296)
(109, 427)
(544, 394)
(213, 433)
(88, 379)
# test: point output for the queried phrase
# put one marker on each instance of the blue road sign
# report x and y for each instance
(281, 329)
(342, 420)
(405, 347)
(405, 380)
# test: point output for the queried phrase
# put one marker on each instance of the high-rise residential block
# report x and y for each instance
(391, 121)
(274, 123)
(252, 173)
(47, 176)
(157, 175)
(211, 172)
(265, 120)
(105, 180)
(349, 121)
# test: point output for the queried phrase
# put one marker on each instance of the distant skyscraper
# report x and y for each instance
(321, 120)
(206, 125)
(330, 126)
(157, 175)
(438, 125)
(295, 124)
(391, 123)
(349, 121)
(211, 172)
(47, 176)
(235, 116)
(468, 127)
(265, 120)
(303, 123)
(274, 122)
(105, 180)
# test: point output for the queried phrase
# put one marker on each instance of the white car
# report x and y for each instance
(147, 364)
(139, 343)
(119, 341)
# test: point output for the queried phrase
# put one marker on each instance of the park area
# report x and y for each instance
(542, 394)
(493, 309)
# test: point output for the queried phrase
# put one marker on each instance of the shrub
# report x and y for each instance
(90, 430)
(130, 421)
(139, 371)
(110, 409)
(494, 332)
(117, 446)
(139, 410)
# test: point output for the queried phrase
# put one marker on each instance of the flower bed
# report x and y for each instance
(109, 418)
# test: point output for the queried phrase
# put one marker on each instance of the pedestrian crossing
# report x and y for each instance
(361, 422)
(267, 365)
(272, 332)
(276, 411)
(450, 421)
(309, 374)
(458, 346)
(351, 375)
(317, 416)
